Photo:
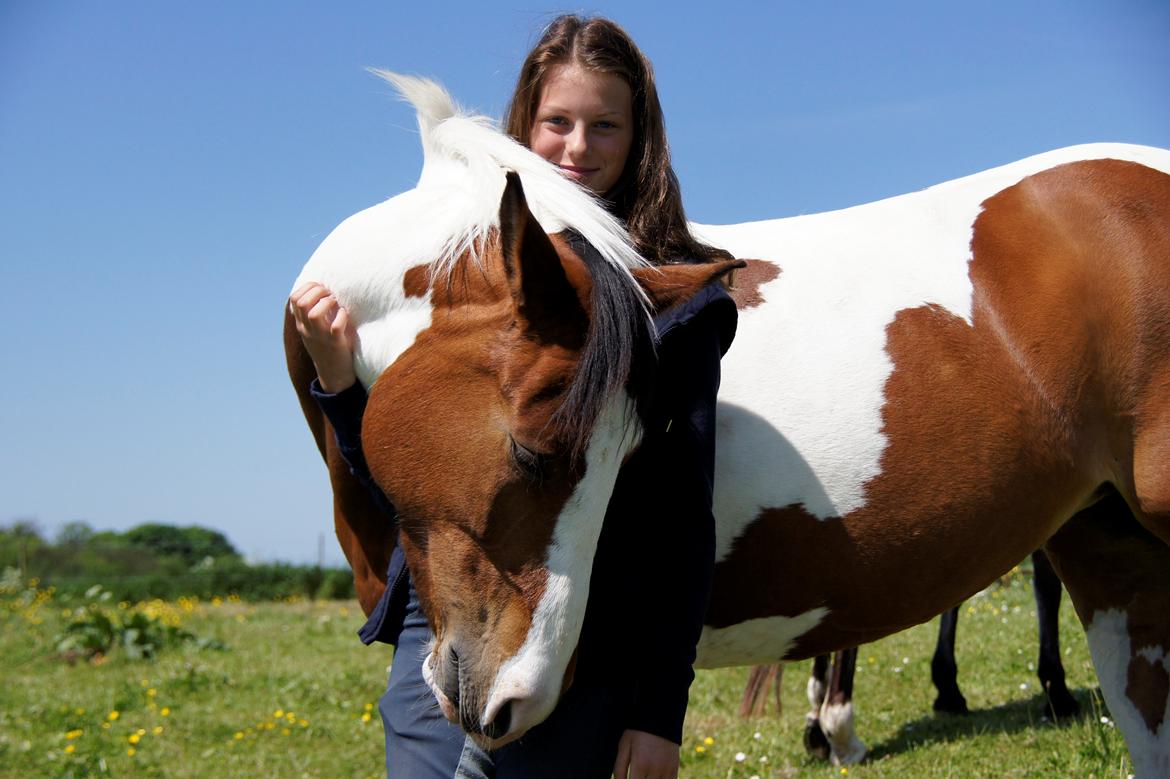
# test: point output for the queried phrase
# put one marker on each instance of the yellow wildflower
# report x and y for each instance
(708, 741)
(69, 749)
(285, 731)
(239, 735)
(166, 712)
(134, 738)
(700, 749)
(157, 729)
(74, 734)
(278, 714)
(152, 692)
(366, 717)
(113, 715)
(132, 751)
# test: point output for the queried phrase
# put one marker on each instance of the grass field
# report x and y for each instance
(294, 694)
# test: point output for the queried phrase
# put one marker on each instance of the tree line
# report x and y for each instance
(156, 560)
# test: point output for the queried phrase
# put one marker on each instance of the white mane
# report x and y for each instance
(450, 212)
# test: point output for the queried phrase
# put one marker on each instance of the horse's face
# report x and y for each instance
(500, 501)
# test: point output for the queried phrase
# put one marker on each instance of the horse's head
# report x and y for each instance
(498, 435)
(508, 365)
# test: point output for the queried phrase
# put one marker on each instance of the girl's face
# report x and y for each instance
(584, 125)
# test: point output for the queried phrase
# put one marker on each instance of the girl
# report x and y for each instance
(585, 101)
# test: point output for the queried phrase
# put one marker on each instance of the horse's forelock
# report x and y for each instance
(618, 354)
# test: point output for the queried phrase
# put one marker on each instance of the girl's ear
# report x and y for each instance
(669, 285)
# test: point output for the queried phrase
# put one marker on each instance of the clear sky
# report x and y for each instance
(166, 168)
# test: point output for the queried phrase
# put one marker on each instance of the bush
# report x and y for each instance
(96, 630)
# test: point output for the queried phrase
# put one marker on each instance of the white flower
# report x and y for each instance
(756, 735)
(740, 757)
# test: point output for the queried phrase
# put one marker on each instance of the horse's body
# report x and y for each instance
(927, 388)
(922, 391)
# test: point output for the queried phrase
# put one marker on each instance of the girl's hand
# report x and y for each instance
(328, 335)
(643, 755)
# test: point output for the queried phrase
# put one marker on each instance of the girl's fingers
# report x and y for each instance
(340, 321)
(310, 295)
(323, 312)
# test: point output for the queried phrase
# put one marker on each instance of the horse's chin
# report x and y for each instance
(495, 743)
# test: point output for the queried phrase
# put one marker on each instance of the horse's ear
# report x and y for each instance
(544, 297)
(669, 285)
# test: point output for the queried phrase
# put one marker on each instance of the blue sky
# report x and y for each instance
(166, 168)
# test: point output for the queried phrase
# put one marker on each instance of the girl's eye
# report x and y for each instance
(557, 120)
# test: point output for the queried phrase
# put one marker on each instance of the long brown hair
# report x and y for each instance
(647, 194)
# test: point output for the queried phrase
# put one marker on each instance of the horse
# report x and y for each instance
(829, 690)
(922, 390)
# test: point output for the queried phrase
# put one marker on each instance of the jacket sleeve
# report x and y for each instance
(345, 410)
(675, 518)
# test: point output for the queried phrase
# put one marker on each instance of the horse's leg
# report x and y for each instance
(944, 672)
(815, 742)
(1118, 576)
(1046, 587)
(837, 711)
(755, 695)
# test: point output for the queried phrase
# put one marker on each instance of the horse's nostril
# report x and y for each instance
(500, 724)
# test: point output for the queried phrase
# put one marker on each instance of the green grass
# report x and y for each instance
(291, 694)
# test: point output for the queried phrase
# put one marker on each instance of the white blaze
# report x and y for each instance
(533, 676)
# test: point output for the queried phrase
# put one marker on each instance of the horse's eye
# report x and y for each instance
(529, 462)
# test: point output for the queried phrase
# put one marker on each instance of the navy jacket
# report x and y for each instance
(655, 558)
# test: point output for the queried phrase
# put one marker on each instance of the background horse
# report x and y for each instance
(922, 391)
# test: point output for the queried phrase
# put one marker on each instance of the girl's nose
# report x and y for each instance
(577, 142)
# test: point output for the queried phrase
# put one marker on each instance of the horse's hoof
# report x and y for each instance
(815, 742)
(1061, 704)
(951, 704)
(853, 754)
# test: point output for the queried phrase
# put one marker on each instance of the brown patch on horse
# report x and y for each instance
(914, 530)
(746, 283)
(1148, 687)
(416, 281)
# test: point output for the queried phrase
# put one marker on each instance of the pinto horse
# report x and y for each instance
(922, 391)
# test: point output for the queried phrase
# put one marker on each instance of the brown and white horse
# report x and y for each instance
(922, 391)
